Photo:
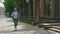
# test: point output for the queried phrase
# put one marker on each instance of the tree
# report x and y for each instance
(9, 6)
(48, 7)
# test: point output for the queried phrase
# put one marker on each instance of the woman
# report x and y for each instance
(15, 16)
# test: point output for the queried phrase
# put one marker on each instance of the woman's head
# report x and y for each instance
(15, 9)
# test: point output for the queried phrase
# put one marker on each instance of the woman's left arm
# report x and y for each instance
(18, 15)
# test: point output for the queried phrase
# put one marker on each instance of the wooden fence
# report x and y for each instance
(42, 11)
(42, 8)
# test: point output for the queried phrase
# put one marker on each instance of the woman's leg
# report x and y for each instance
(15, 23)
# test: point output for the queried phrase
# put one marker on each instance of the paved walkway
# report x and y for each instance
(6, 27)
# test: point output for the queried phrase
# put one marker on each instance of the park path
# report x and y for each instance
(6, 27)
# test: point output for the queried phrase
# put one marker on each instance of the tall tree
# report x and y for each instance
(9, 5)
(48, 7)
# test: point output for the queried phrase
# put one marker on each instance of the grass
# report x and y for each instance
(26, 21)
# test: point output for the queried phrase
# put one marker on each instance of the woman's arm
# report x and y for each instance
(12, 14)
(19, 15)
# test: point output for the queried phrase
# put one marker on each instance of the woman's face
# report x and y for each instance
(15, 9)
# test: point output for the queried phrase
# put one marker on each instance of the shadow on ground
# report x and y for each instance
(9, 21)
(27, 29)
(24, 28)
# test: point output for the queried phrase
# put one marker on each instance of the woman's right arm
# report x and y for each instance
(12, 14)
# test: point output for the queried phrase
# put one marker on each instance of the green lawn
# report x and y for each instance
(26, 21)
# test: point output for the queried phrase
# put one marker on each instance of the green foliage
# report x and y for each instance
(26, 21)
(48, 7)
(8, 6)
